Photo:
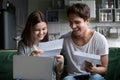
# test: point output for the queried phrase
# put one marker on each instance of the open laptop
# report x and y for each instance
(33, 68)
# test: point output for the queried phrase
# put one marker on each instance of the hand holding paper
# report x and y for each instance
(51, 48)
(36, 52)
(87, 60)
(88, 66)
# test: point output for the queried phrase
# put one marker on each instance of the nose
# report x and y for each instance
(73, 25)
(40, 32)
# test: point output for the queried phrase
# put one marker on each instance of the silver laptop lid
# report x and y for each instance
(33, 68)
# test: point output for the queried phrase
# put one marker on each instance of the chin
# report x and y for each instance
(77, 33)
(41, 39)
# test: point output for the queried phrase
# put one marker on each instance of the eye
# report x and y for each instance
(36, 29)
(70, 21)
(44, 28)
(77, 22)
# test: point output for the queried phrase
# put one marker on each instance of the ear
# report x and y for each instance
(88, 20)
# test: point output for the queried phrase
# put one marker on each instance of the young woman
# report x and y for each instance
(36, 31)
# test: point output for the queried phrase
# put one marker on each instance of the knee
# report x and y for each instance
(96, 77)
(69, 78)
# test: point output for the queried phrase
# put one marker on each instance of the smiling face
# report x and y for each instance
(40, 30)
(78, 25)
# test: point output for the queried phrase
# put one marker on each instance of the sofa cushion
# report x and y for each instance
(113, 63)
(117, 72)
(6, 64)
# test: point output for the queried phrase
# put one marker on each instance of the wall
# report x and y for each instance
(21, 11)
(19, 19)
(62, 28)
(56, 29)
(41, 5)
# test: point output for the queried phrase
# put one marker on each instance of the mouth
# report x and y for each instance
(76, 29)
(40, 36)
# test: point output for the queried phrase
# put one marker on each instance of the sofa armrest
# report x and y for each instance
(6, 64)
(114, 58)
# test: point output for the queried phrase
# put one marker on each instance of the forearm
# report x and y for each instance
(100, 70)
(60, 67)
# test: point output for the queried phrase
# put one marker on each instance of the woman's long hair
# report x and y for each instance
(34, 18)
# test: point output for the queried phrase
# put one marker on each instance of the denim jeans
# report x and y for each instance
(96, 77)
(91, 77)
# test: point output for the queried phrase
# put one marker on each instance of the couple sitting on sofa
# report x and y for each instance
(81, 39)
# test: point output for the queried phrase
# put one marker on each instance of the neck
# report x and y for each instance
(82, 40)
(36, 43)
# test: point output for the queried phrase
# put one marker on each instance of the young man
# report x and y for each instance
(84, 40)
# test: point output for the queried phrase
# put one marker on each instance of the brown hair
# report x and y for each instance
(34, 18)
(80, 9)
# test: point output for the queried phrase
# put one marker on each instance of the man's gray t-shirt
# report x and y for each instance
(97, 45)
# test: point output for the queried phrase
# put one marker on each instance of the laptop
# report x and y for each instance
(33, 68)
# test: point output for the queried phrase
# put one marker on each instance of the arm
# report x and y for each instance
(27, 51)
(100, 69)
(60, 60)
(103, 68)
(21, 48)
(103, 50)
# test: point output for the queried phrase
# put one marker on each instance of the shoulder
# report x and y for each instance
(99, 37)
(101, 43)
(99, 40)
(67, 35)
(21, 43)
(23, 49)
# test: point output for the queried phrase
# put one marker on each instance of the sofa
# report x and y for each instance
(6, 64)
(113, 71)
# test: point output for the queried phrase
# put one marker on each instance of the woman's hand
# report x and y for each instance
(36, 52)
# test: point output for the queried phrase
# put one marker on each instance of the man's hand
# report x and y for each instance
(60, 60)
(88, 66)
